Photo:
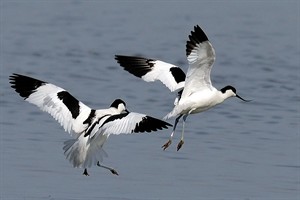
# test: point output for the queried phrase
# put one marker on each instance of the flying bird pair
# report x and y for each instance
(92, 127)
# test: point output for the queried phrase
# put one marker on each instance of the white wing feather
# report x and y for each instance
(152, 70)
(45, 96)
(161, 72)
(125, 125)
(200, 60)
(46, 99)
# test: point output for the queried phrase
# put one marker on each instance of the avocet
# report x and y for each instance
(90, 127)
(195, 91)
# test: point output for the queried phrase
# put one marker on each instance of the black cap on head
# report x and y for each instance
(117, 102)
(228, 87)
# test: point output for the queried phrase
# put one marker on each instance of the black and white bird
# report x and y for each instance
(195, 91)
(90, 127)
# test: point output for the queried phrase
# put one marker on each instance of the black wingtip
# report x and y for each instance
(24, 85)
(135, 65)
(196, 37)
(149, 124)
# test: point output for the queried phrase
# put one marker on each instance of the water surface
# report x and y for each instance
(235, 151)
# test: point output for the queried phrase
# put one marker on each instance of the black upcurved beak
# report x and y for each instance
(243, 99)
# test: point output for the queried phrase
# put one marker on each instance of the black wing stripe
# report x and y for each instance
(94, 124)
(90, 117)
(114, 117)
(178, 74)
(71, 102)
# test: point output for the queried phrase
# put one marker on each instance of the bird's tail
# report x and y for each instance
(75, 151)
(82, 153)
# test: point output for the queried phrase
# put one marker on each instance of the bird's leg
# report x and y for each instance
(113, 171)
(168, 143)
(85, 172)
(182, 134)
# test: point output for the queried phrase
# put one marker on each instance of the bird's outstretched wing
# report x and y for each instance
(151, 70)
(201, 56)
(131, 122)
(72, 114)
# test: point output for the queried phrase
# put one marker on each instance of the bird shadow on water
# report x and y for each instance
(181, 157)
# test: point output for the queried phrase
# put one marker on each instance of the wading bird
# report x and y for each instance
(90, 127)
(195, 91)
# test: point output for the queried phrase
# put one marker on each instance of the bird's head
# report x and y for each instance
(230, 91)
(120, 105)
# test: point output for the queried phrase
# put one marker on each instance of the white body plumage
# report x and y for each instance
(90, 127)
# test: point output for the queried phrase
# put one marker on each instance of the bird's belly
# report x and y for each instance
(199, 105)
(198, 110)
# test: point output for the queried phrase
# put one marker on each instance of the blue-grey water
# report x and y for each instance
(236, 151)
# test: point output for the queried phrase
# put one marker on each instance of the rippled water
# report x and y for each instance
(235, 151)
